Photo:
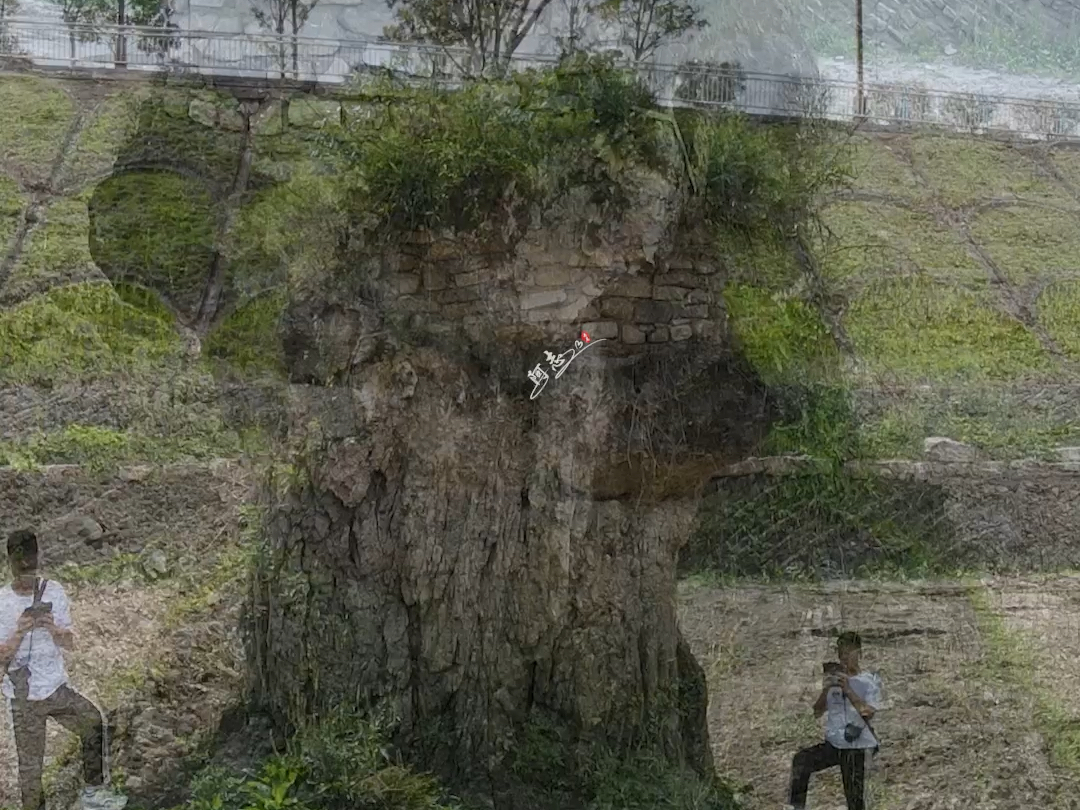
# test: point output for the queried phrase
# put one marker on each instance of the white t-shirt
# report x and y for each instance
(46, 660)
(839, 711)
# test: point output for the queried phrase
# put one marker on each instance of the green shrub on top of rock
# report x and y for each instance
(428, 159)
(757, 181)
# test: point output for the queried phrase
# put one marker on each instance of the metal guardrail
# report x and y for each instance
(330, 61)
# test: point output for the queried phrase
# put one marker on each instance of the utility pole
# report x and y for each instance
(860, 100)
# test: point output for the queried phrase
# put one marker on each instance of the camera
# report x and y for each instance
(852, 732)
(832, 668)
(39, 610)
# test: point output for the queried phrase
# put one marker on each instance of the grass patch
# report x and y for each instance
(877, 167)
(1027, 243)
(102, 449)
(115, 569)
(1067, 162)
(156, 229)
(782, 336)
(1012, 663)
(868, 238)
(1002, 427)
(914, 330)
(12, 203)
(1058, 310)
(81, 331)
(56, 251)
(37, 114)
(967, 170)
(112, 124)
(248, 339)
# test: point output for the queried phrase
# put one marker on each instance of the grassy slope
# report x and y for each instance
(954, 268)
(64, 329)
(67, 336)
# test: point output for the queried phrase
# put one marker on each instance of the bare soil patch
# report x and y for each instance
(117, 633)
(956, 731)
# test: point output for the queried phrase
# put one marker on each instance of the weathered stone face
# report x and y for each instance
(480, 556)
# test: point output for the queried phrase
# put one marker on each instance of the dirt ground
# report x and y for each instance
(117, 630)
(957, 732)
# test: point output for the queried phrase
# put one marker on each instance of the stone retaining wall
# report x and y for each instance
(612, 294)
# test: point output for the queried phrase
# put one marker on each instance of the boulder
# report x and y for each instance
(83, 528)
(939, 448)
(155, 565)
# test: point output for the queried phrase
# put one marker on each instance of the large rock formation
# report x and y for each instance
(480, 557)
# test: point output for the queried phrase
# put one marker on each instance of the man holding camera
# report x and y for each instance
(849, 698)
(35, 629)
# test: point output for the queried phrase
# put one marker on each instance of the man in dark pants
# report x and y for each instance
(849, 698)
(35, 628)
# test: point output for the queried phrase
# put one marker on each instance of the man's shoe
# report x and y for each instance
(100, 797)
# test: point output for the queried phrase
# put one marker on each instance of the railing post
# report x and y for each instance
(121, 39)
(860, 98)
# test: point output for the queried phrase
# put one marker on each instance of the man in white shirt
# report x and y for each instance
(849, 698)
(35, 629)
